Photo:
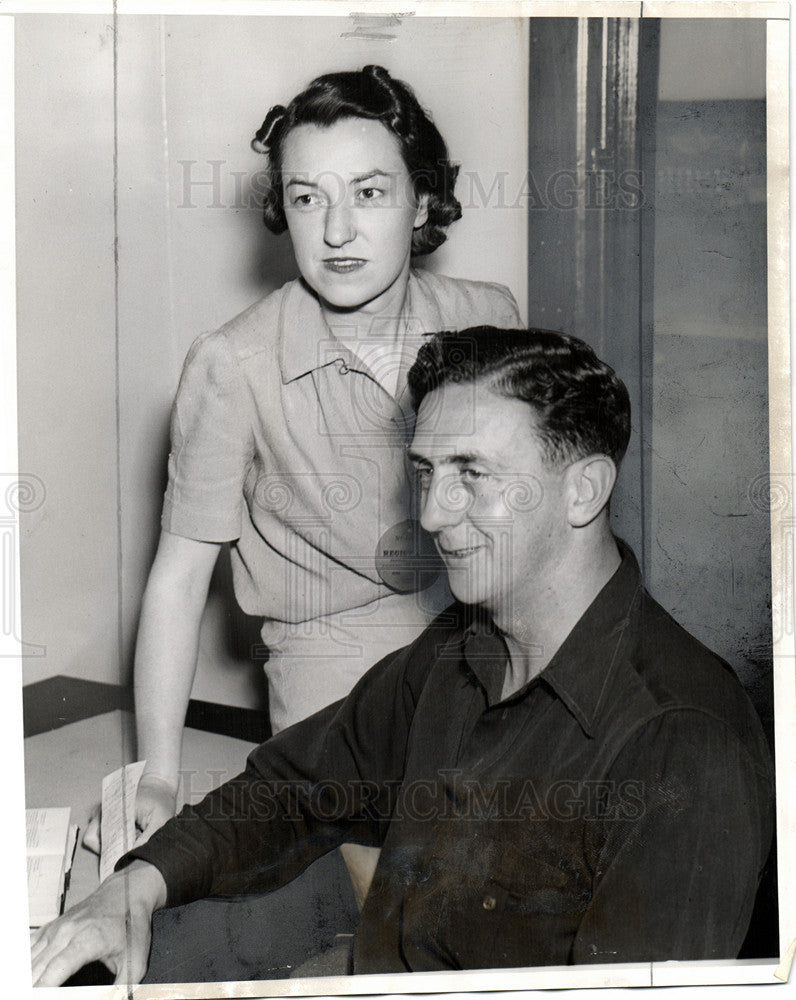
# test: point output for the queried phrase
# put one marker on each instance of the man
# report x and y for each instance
(555, 771)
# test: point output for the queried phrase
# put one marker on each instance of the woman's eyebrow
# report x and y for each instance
(370, 175)
(361, 178)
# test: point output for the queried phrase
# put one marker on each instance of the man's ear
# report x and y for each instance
(591, 481)
(421, 216)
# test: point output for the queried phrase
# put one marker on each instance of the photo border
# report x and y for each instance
(782, 523)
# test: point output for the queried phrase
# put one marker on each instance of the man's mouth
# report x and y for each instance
(462, 553)
(344, 265)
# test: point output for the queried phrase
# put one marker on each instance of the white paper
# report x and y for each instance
(117, 828)
(46, 830)
(50, 843)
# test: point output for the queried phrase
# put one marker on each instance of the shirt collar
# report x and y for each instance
(486, 654)
(581, 670)
(307, 343)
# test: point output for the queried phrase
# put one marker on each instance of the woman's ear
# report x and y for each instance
(421, 216)
(591, 482)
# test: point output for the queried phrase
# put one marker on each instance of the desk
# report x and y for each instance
(65, 767)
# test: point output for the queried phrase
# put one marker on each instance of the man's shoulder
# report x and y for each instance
(680, 674)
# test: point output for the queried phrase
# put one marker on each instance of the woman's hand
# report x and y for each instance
(113, 925)
(155, 804)
(92, 840)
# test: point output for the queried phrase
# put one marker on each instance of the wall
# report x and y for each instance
(712, 59)
(709, 556)
(192, 252)
(66, 352)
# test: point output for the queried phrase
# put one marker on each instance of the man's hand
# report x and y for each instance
(113, 925)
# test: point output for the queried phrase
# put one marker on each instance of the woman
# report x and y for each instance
(289, 423)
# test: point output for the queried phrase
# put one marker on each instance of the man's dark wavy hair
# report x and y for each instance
(581, 405)
(373, 94)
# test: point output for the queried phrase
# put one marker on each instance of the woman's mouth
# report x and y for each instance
(343, 265)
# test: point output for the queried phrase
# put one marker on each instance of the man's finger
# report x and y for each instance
(38, 942)
(132, 970)
(56, 963)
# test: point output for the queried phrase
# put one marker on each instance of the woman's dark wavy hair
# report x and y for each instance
(368, 93)
(581, 405)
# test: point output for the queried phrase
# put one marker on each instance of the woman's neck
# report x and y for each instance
(381, 319)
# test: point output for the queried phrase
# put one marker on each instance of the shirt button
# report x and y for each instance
(489, 902)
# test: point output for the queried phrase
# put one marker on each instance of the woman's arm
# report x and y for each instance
(165, 665)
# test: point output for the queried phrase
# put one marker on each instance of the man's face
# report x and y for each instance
(496, 509)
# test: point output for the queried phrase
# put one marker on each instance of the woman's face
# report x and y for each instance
(351, 210)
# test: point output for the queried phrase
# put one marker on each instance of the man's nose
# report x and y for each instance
(339, 226)
(445, 503)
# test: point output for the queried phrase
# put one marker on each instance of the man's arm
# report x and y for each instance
(329, 779)
(113, 925)
(677, 866)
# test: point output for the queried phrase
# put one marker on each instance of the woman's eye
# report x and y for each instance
(369, 193)
(304, 200)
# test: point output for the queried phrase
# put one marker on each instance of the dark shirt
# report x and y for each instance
(616, 808)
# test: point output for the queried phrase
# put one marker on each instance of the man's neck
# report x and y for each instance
(541, 620)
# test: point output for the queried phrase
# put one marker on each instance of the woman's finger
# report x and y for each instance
(91, 838)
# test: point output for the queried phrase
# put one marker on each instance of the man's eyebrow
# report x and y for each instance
(458, 458)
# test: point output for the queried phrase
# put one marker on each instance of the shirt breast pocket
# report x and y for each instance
(536, 902)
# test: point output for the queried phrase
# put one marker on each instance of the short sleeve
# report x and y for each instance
(504, 308)
(211, 445)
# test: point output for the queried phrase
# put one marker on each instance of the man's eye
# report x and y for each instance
(423, 477)
(471, 475)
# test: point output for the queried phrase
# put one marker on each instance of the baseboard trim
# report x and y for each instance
(60, 700)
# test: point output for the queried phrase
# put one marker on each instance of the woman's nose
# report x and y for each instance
(339, 225)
